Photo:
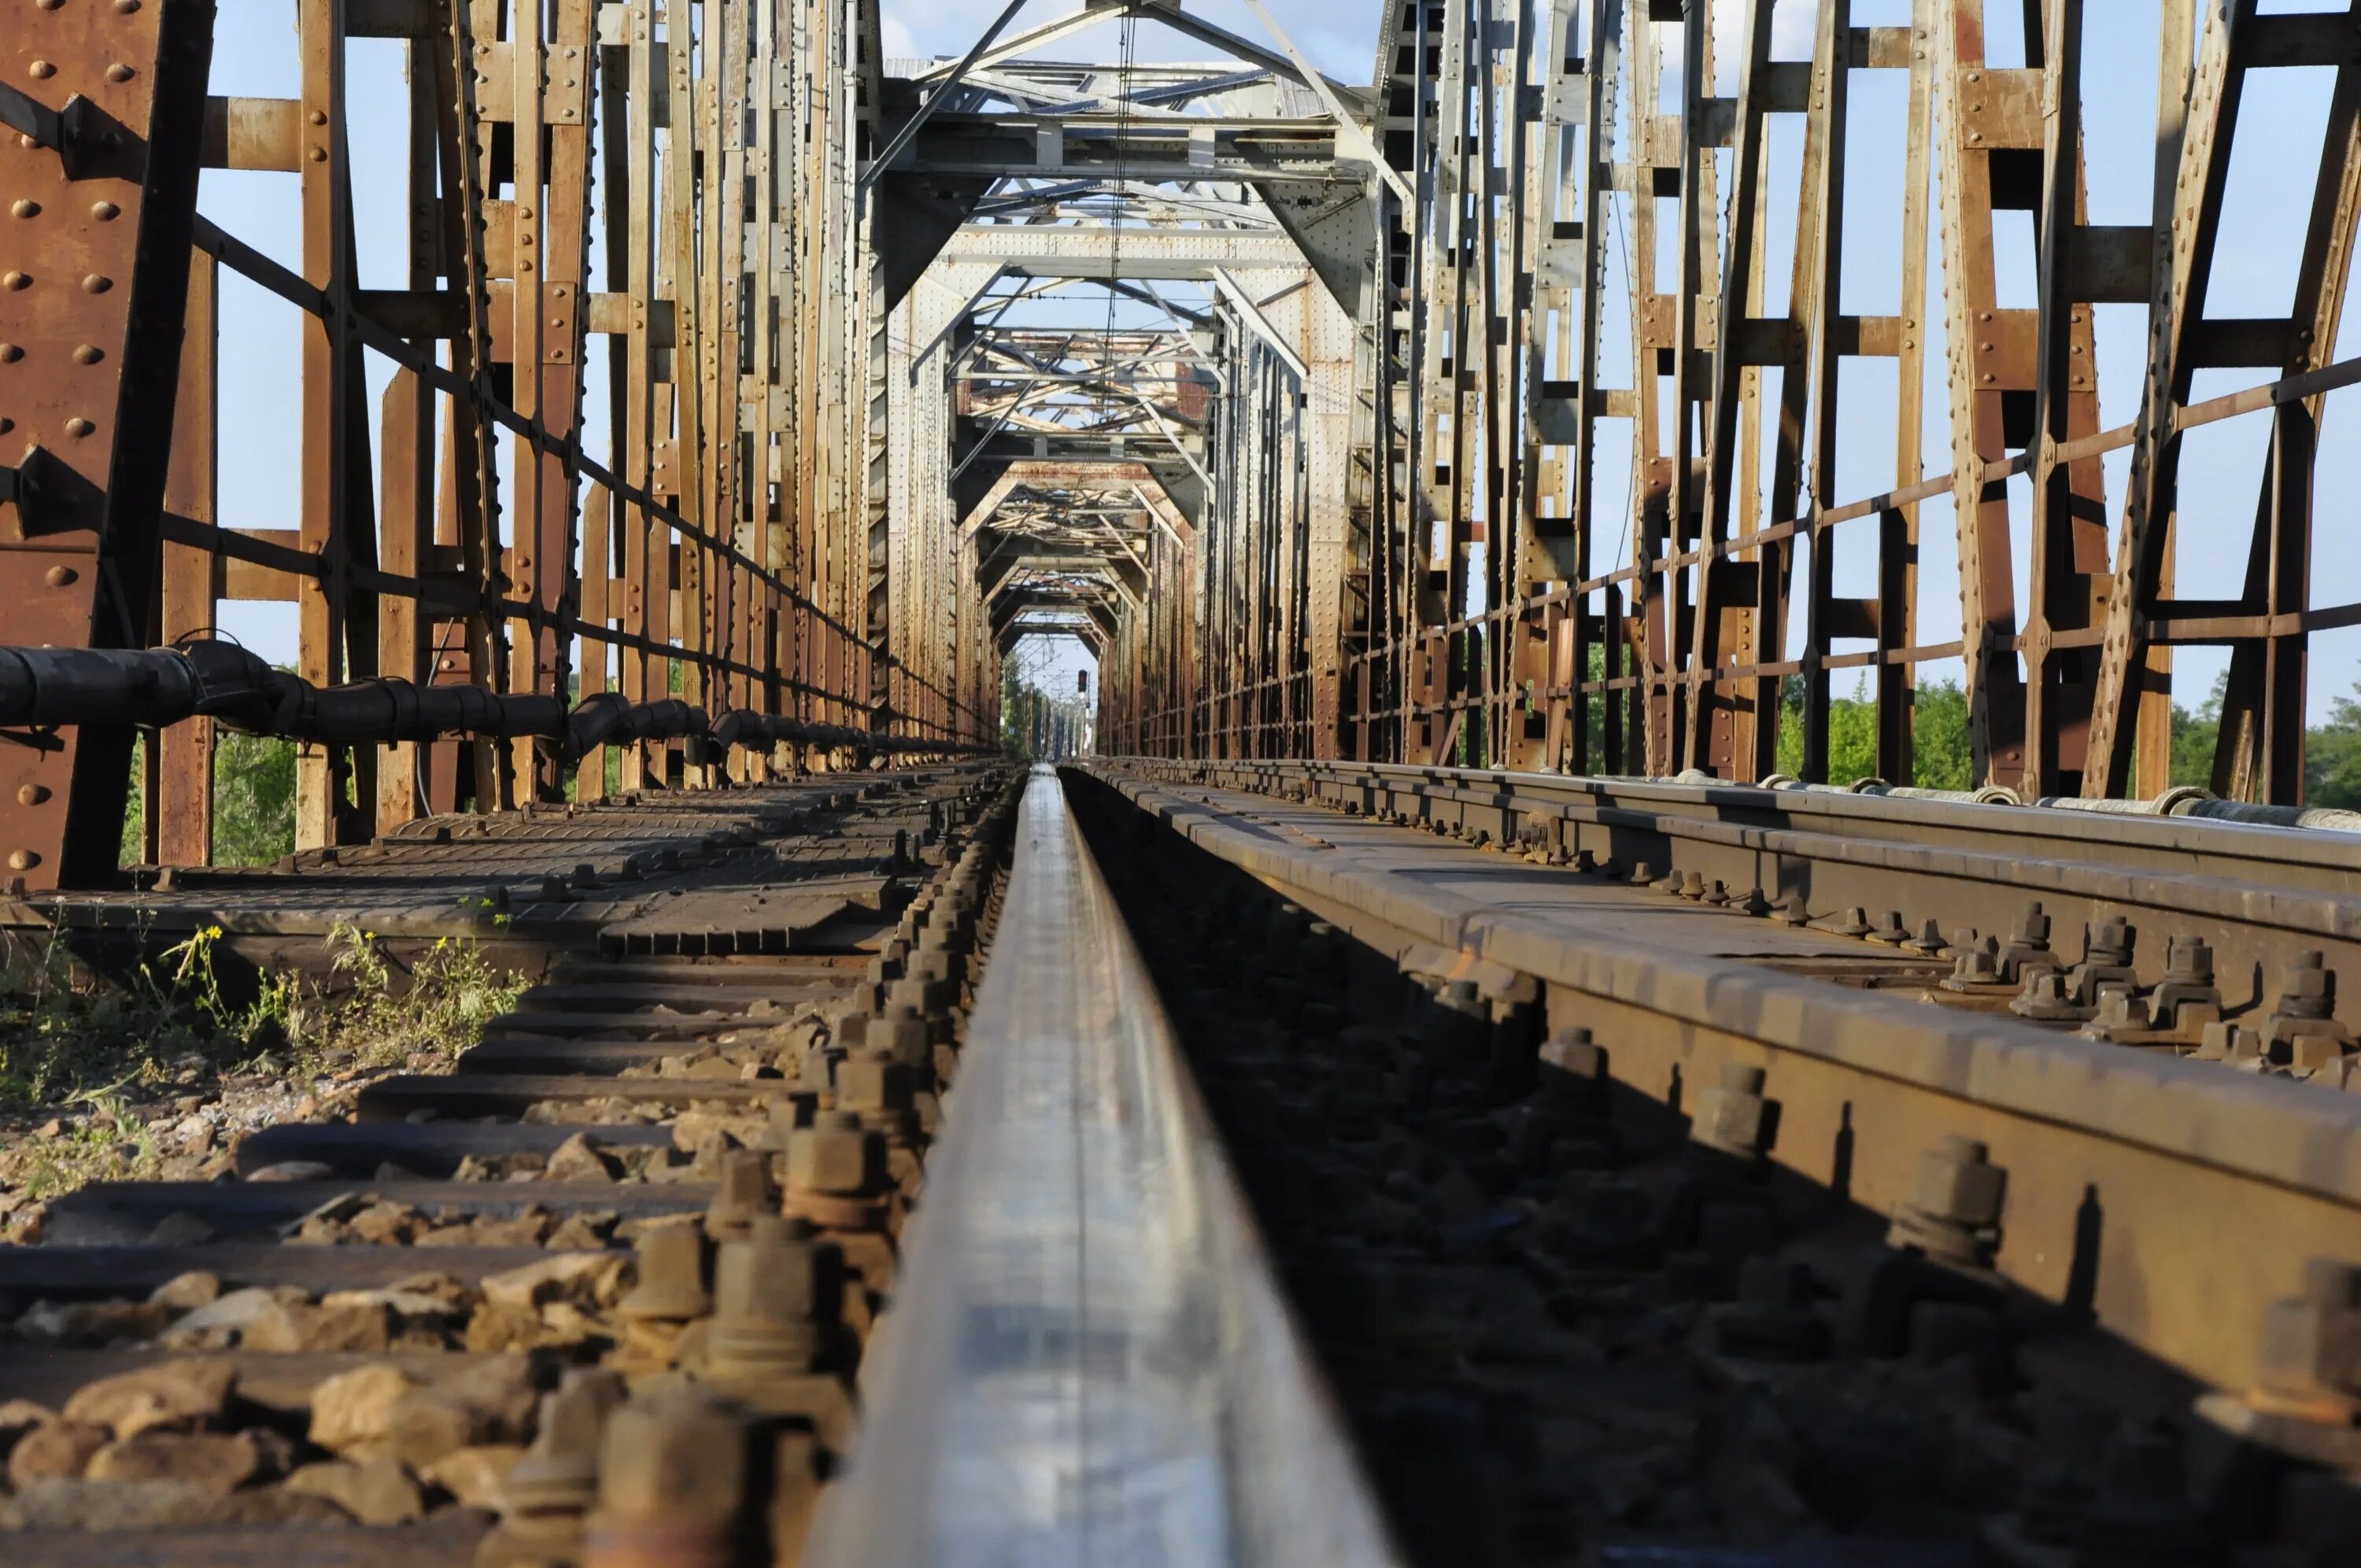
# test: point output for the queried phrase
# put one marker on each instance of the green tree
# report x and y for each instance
(2332, 757)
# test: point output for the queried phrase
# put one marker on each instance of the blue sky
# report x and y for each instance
(2273, 168)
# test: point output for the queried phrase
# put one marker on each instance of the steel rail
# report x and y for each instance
(2261, 895)
(1090, 1361)
(2172, 1202)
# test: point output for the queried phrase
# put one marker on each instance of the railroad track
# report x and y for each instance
(1621, 1218)
(654, 1212)
(1301, 1186)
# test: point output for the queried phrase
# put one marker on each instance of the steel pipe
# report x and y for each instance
(205, 678)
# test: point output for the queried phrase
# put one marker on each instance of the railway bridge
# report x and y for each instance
(1418, 781)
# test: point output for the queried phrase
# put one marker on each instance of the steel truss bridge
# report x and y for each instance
(1476, 485)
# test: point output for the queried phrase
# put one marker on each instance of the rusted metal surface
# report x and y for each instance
(1605, 1186)
(2176, 1200)
(427, 554)
(2260, 898)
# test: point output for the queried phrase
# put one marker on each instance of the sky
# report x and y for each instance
(2272, 170)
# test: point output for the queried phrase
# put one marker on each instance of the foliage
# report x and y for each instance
(254, 800)
(2331, 750)
(62, 1040)
(110, 1144)
(1941, 754)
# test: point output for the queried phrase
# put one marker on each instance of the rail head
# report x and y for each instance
(1089, 1359)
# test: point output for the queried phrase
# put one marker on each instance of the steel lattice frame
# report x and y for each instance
(721, 548)
(1350, 497)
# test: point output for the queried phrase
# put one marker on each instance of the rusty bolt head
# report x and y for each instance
(2307, 988)
(2311, 1344)
(835, 1155)
(2191, 961)
(1955, 1182)
(873, 1081)
(670, 1285)
(743, 1195)
(781, 1272)
(1574, 1055)
(679, 1460)
(560, 1473)
(1732, 1116)
(2108, 941)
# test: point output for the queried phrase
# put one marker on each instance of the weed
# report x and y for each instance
(81, 1045)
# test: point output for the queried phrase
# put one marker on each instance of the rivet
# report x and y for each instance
(60, 576)
(118, 73)
(88, 353)
(319, 155)
(32, 793)
(96, 283)
(78, 427)
(42, 70)
(10, 354)
(25, 207)
(23, 859)
(104, 211)
(48, 5)
(125, 7)
(15, 280)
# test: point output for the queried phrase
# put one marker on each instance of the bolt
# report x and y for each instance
(2189, 961)
(744, 1195)
(1954, 1207)
(672, 1478)
(2107, 941)
(836, 1157)
(559, 1474)
(2307, 988)
(670, 1285)
(1732, 1116)
(771, 1293)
